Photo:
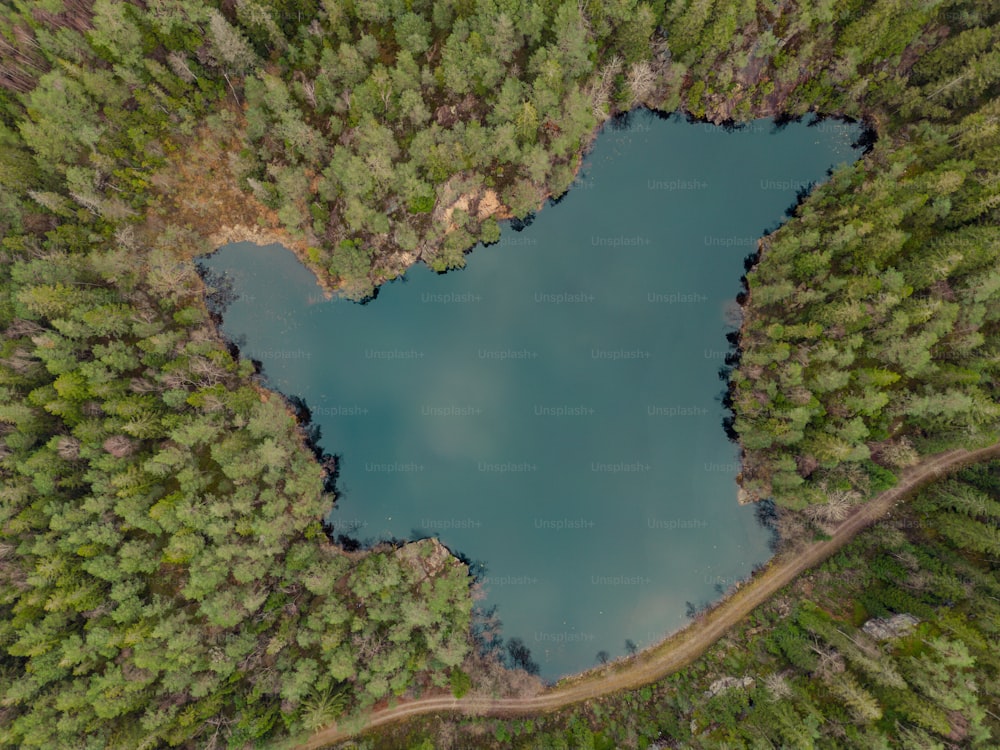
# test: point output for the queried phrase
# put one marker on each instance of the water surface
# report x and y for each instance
(554, 409)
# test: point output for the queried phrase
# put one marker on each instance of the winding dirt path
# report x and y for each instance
(685, 646)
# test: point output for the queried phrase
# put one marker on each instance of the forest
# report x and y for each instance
(165, 577)
(871, 333)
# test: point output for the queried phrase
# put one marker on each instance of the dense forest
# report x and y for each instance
(164, 574)
(890, 644)
(165, 579)
(872, 333)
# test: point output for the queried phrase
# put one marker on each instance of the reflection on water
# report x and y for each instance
(554, 411)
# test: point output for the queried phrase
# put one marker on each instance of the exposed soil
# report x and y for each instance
(481, 203)
(199, 190)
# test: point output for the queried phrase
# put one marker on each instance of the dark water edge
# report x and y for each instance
(352, 539)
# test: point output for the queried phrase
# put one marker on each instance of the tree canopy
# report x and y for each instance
(165, 578)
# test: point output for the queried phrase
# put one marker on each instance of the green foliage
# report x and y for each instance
(160, 546)
(818, 679)
(165, 580)
(165, 576)
(882, 263)
(352, 263)
(460, 682)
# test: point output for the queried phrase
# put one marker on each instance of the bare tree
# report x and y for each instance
(119, 446)
(641, 81)
(68, 448)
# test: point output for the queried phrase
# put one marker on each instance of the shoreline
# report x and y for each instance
(260, 235)
(241, 232)
(231, 234)
(676, 650)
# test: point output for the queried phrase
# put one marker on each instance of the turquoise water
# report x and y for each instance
(553, 410)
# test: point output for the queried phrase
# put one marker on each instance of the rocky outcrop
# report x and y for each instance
(896, 626)
(728, 683)
(427, 555)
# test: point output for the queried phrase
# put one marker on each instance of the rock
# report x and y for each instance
(728, 683)
(427, 555)
(489, 204)
(895, 627)
(445, 116)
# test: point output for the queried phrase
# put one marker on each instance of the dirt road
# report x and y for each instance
(685, 646)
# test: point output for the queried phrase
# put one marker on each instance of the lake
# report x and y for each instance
(554, 410)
